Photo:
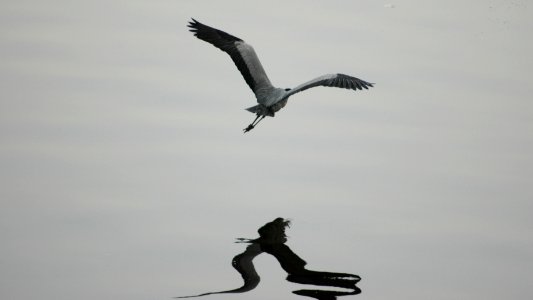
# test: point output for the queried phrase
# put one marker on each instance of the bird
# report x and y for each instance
(270, 99)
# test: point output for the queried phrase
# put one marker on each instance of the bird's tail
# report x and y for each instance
(260, 110)
(254, 109)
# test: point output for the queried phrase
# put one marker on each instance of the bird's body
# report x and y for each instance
(270, 99)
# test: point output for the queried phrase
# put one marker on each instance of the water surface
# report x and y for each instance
(124, 173)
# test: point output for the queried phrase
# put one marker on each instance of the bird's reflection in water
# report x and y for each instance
(272, 240)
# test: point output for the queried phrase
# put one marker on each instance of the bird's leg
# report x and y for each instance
(259, 120)
(251, 126)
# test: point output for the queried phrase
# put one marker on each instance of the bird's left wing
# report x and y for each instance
(332, 80)
(242, 54)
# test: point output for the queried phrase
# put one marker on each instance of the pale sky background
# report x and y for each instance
(124, 173)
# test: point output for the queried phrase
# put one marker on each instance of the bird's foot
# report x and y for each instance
(250, 127)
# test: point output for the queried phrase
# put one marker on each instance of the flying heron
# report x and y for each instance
(270, 99)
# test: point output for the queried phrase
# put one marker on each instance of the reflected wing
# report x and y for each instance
(322, 294)
(242, 54)
(333, 80)
(243, 263)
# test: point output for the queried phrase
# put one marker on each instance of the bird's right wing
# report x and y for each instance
(242, 54)
(332, 80)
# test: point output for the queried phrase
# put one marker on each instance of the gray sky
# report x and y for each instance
(124, 173)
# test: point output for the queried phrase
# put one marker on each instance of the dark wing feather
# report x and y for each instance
(241, 53)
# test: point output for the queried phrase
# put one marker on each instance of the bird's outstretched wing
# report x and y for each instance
(242, 54)
(332, 80)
